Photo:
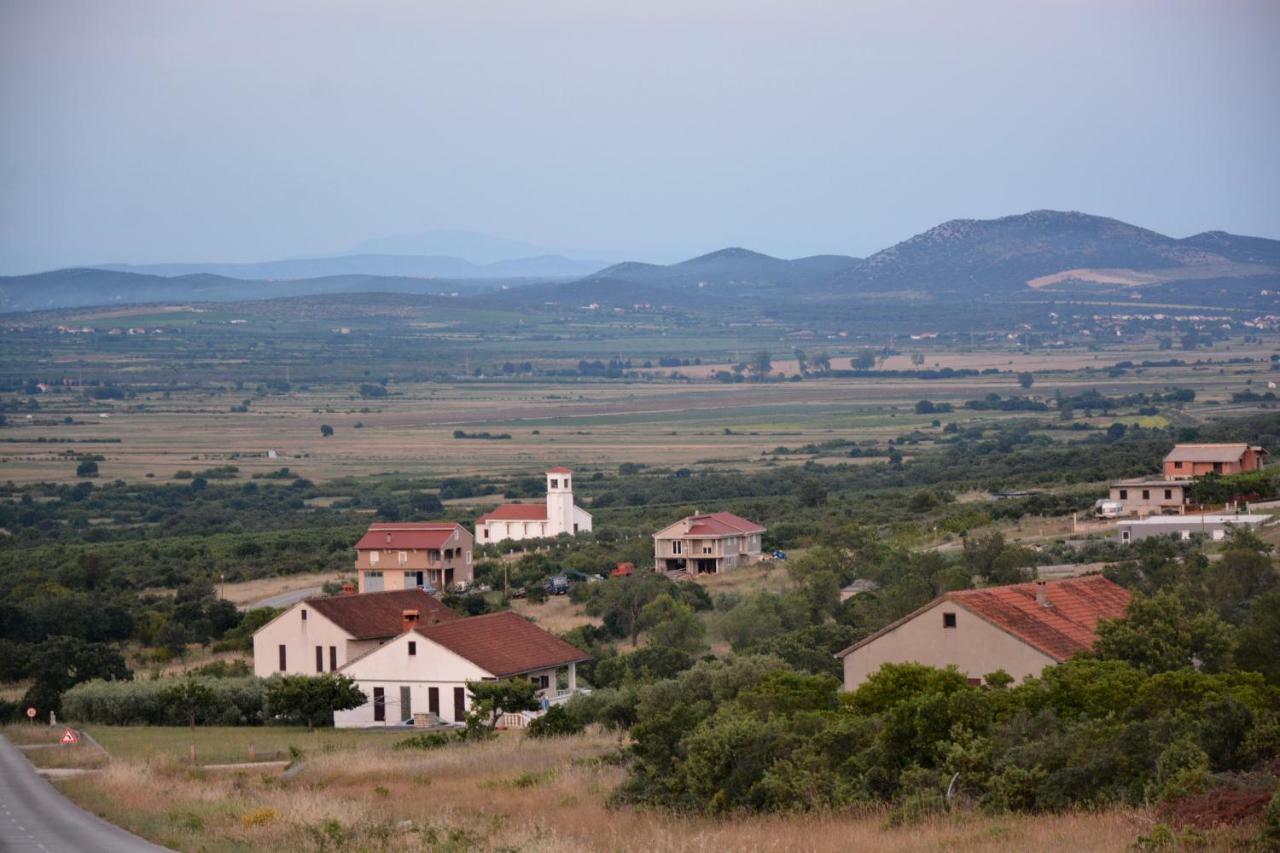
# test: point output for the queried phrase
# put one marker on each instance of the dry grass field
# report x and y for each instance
(512, 794)
(590, 424)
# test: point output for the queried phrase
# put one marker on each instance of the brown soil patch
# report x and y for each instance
(1218, 807)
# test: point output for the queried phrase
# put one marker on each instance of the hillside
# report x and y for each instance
(413, 266)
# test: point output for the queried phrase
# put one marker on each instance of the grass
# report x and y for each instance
(228, 744)
(513, 794)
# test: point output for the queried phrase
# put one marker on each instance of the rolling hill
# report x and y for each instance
(410, 266)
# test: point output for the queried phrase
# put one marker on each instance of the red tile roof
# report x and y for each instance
(1210, 452)
(719, 524)
(429, 534)
(370, 615)
(559, 470)
(516, 512)
(503, 643)
(1067, 626)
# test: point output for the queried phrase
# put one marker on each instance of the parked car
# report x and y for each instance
(779, 555)
(623, 570)
(558, 585)
(1108, 509)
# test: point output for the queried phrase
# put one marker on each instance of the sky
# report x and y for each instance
(144, 131)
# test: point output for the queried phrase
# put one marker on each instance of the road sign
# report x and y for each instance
(69, 736)
(31, 712)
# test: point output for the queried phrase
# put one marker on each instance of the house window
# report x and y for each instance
(948, 620)
(468, 560)
(1146, 494)
(1168, 494)
(283, 665)
(1177, 465)
(433, 700)
(459, 704)
(373, 558)
(333, 658)
(404, 557)
(304, 614)
(1217, 467)
(319, 658)
(555, 484)
(486, 533)
(413, 647)
(542, 681)
(675, 546)
(379, 705)
(1124, 494)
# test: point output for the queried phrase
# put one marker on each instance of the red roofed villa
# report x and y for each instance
(707, 544)
(414, 555)
(537, 521)
(1021, 629)
(421, 675)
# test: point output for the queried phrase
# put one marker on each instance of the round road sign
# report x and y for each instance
(31, 712)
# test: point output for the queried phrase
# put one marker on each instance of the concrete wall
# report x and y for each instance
(973, 646)
(300, 638)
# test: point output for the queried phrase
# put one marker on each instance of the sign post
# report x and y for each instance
(31, 715)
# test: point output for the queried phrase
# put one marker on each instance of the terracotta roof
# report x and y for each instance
(429, 534)
(369, 615)
(503, 643)
(516, 512)
(1060, 630)
(559, 470)
(1209, 452)
(716, 524)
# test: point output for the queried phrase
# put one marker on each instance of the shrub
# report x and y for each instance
(556, 722)
(234, 702)
(427, 740)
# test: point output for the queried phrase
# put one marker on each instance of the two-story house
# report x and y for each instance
(1196, 460)
(414, 555)
(707, 544)
(322, 634)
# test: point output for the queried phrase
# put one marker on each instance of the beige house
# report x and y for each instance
(425, 669)
(1149, 497)
(707, 544)
(413, 555)
(537, 521)
(323, 634)
(1196, 460)
(1021, 629)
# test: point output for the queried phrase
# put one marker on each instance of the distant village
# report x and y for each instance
(412, 656)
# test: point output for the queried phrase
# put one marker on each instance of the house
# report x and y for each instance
(1195, 460)
(323, 634)
(1148, 497)
(707, 544)
(425, 669)
(405, 555)
(1214, 527)
(1021, 629)
(537, 521)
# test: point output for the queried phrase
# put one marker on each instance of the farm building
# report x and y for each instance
(409, 555)
(1214, 527)
(537, 521)
(425, 669)
(707, 544)
(1020, 628)
(1195, 460)
(323, 634)
(1148, 497)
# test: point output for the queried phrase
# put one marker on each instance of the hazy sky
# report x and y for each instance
(160, 131)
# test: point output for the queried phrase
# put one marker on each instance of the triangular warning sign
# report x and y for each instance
(70, 736)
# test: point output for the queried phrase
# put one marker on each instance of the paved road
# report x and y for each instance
(284, 599)
(36, 818)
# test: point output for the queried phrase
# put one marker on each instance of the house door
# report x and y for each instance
(379, 705)
(459, 704)
(433, 700)
(406, 704)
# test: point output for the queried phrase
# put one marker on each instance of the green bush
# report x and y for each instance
(235, 702)
(556, 722)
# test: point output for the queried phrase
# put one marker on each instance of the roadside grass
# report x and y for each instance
(233, 744)
(513, 794)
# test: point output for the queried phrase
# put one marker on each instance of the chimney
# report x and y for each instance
(1042, 597)
(348, 589)
(388, 537)
(408, 620)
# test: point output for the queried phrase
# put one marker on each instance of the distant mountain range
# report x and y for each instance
(1043, 252)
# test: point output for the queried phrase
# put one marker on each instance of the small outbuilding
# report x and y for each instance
(1213, 527)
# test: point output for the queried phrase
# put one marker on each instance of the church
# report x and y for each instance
(537, 521)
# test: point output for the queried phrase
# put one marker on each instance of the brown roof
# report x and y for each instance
(559, 470)
(1067, 626)
(716, 524)
(370, 615)
(416, 534)
(516, 512)
(503, 643)
(1209, 452)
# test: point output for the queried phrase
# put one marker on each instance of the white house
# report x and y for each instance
(537, 521)
(323, 634)
(425, 669)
